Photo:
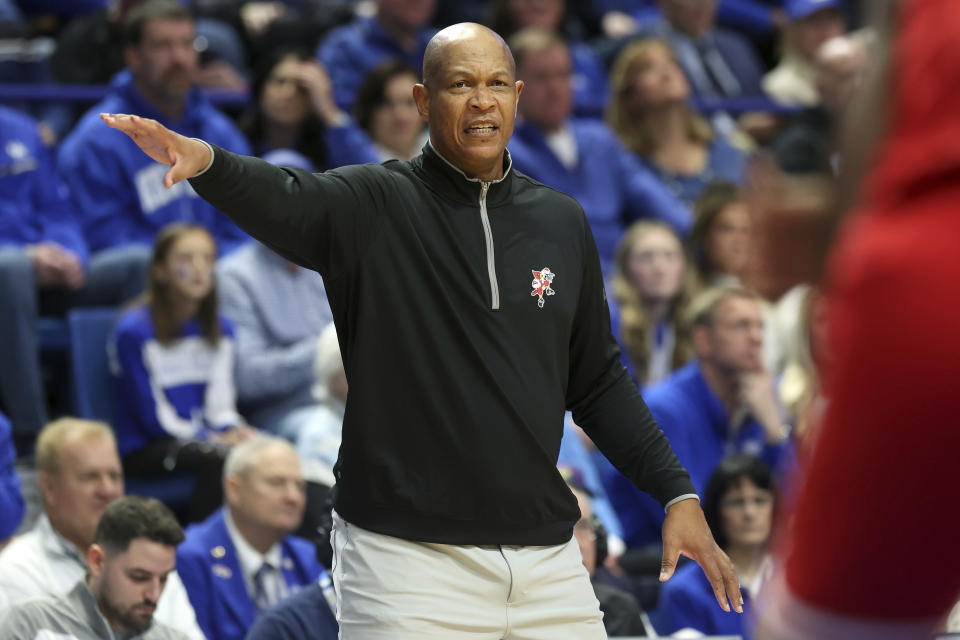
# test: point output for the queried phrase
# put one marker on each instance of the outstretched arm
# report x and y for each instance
(320, 221)
(185, 156)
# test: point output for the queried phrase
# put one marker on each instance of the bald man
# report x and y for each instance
(470, 310)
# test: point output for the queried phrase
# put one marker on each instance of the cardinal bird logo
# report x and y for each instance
(542, 281)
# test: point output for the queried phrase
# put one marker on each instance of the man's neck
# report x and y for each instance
(260, 538)
(78, 542)
(484, 174)
(172, 108)
(722, 384)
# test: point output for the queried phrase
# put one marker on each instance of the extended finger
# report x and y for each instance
(716, 578)
(732, 583)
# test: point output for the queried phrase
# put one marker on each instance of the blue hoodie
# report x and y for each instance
(34, 206)
(118, 190)
(609, 182)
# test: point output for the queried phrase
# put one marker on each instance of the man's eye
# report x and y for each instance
(459, 84)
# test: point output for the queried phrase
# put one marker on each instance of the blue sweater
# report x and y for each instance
(351, 51)
(182, 390)
(697, 426)
(34, 206)
(12, 506)
(608, 182)
(687, 600)
(118, 190)
(725, 162)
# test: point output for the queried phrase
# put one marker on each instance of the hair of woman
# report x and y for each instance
(728, 474)
(633, 131)
(158, 300)
(635, 326)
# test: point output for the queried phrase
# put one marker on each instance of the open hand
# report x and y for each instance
(186, 156)
(685, 531)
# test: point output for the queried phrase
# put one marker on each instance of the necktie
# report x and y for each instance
(262, 598)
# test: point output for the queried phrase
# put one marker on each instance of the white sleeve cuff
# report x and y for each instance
(209, 164)
(686, 496)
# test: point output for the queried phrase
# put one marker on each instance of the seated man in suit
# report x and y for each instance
(241, 560)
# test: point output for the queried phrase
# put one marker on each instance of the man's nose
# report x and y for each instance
(482, 98)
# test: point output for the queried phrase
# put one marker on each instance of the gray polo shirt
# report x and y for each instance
(72, 616)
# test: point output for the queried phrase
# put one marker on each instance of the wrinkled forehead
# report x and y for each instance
(478, 53)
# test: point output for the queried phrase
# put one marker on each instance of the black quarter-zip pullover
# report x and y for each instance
(470, 315)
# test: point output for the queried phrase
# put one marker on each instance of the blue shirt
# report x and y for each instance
(724, 162)
(687, 600)
(181, 390)
(353, 50)
(12, 506)
(613, 188)
(34, 206)
(697, 425)
(118, 190)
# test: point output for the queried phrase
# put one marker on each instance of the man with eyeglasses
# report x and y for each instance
(721, 403)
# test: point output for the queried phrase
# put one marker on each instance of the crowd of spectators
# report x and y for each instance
(224, 359)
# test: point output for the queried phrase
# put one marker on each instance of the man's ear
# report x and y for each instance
(516, 107)
(421, 95)
(95, 559)
(46, 481)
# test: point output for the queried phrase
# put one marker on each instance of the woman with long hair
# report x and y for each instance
(739, 504)
(722, 235)
(173, 369)
(650, 111)
(386, 111)
(650, 301)
(293, 108)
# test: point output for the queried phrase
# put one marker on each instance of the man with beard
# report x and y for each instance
(113, 186)
(134, 550)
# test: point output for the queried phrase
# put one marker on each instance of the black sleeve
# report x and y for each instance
(320, 221)
(607, 404)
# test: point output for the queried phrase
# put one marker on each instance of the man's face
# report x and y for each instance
(89, 479)
(410, 14)
(271, 494)
(548, 90)
(128, 585)
(471, 103)
(692, 17)
(165, 62)
(734, 340)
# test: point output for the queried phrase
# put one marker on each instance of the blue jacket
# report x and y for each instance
(118, 190)
(210, 570)
(725, 162)
(696, 424)
(590, 82)
(351, 51)
(687, 600)
(12, 506)
(307, 614)
(613, 188)
(184, 390)
(34, 206)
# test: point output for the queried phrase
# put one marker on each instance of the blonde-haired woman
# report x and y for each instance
(650, 296)
(651, 113)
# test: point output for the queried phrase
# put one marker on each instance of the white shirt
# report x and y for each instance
(251, 560)
(564, 146)
(43, 563)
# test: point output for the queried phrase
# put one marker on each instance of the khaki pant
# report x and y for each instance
(389, 588)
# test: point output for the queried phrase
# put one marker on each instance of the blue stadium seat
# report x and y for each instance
(92, 386)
